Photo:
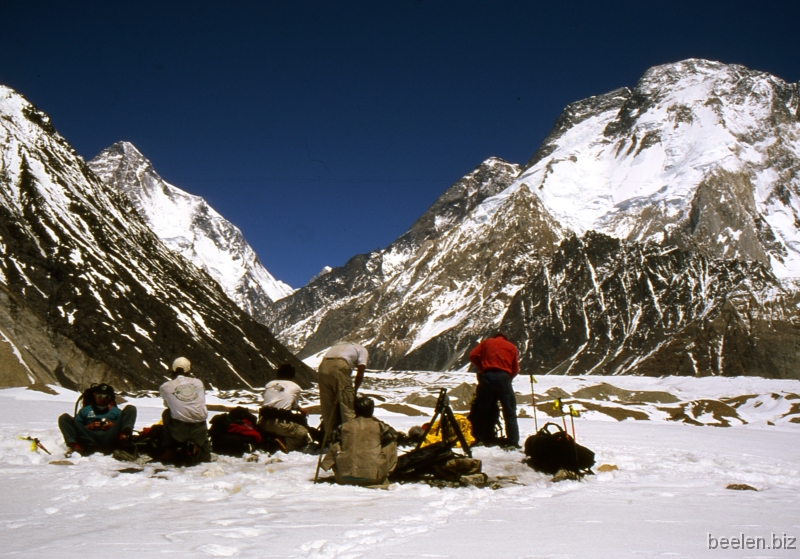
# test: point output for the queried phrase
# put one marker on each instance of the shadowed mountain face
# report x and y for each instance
(88, 293)
(663, 220)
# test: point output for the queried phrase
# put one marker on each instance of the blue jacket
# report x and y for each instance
(90, 414)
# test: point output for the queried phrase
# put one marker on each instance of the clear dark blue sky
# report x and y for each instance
(324, 129)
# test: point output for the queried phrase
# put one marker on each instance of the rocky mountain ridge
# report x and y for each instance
(88, 293)
(694, 175)
(320, 313)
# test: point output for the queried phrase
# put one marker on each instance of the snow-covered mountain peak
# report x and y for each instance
(189, 226)
(643, 237)
(631, 163)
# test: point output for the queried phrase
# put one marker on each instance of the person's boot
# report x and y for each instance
(73, 448)
(125, 442)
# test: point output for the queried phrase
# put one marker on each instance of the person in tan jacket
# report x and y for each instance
(363, 450)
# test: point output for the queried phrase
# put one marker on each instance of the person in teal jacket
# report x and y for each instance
(100, 425)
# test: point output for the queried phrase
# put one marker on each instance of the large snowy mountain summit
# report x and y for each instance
(192, 228)
(88, 293)
(699, 154)
(655, 231)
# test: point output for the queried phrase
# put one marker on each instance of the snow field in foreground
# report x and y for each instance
(668, 498)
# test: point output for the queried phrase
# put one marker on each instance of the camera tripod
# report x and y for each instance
(451, 431)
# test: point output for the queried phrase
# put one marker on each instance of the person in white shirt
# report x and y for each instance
(336, 388)
(281, 414)
(185, 429)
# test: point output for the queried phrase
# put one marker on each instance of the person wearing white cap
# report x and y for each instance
(185, 427)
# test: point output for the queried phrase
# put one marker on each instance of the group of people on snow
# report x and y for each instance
(362, 450)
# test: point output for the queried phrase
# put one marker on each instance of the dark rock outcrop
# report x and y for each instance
(603, 306)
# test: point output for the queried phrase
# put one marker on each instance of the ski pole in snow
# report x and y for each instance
(572, 414)
(35, 444)
(557, 405)
(533, 403)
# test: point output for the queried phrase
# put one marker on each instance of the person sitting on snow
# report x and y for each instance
(185, 433)
(363, 450)
(281, 414)
(99, 425)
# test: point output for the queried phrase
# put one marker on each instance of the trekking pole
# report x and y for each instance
(328, 425)
(572, 414)
(557, 405)
(533, 403)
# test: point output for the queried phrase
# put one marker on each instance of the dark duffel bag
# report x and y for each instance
(548, 452)
(423, 460)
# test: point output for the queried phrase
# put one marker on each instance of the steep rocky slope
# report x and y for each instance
(350, 297)
(605, 306)
(89, 293)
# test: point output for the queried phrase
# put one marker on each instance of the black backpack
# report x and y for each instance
(550, 452)
(226, 441)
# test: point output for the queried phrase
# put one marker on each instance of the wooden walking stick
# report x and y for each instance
(328, 429)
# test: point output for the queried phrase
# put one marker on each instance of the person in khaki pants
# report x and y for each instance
(336, 389)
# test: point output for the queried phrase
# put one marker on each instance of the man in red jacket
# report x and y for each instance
(497, 359)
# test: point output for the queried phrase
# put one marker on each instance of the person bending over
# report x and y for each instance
(337, 392)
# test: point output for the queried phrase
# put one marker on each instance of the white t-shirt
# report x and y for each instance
(282, 395)
(186, 399)
(354, 354)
